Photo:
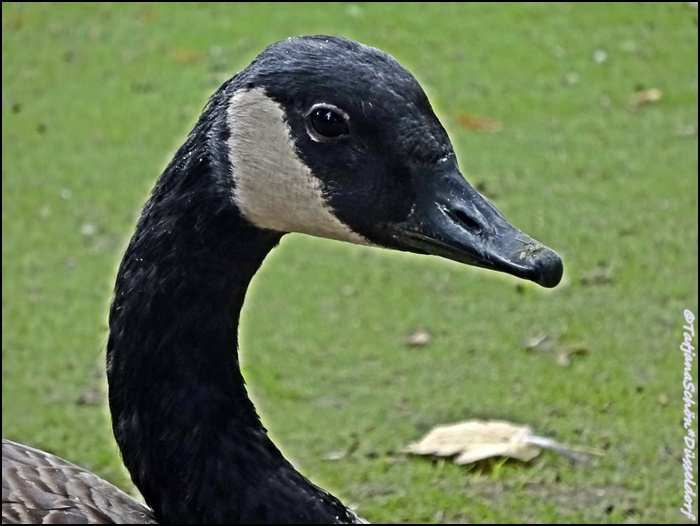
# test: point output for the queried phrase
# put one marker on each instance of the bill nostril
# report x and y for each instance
(464, 219)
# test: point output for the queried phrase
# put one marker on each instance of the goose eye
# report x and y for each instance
(327, 122)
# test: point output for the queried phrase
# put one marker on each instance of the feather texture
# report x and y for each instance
(40, 488)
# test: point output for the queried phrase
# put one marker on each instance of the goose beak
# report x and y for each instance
(452, 220)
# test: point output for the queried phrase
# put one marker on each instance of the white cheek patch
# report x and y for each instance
(274, 189)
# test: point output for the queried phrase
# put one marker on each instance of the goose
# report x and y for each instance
(318, 135)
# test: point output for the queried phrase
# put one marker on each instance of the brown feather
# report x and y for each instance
(40, 488)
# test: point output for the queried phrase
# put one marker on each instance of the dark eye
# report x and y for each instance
(327, 122)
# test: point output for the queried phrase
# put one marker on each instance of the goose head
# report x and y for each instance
(336, 139)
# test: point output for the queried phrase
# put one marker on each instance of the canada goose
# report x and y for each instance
(319, 135)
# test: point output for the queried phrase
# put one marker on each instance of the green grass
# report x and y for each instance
(95, 98)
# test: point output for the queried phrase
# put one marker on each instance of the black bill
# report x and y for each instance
(452, 220)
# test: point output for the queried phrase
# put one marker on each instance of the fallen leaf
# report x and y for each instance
(335, 455)
(148, 15)
(563, 359)
(342, 453)
(418, 339)
(579, 351)
(474, 440)
(478, 123)
(186, 56)
(643, 97)
(540, 342)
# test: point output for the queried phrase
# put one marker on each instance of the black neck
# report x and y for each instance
(187, 430)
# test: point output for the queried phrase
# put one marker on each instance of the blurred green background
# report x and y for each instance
(579, 121)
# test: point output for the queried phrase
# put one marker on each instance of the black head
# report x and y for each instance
(333, 138)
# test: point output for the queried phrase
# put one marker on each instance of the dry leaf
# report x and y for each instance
(475, 440)
(564, 357)
(644, 97)
(336, 455)
(186, 56)
(148, 15)
(539, 342)
(478, 123)
(342, 453)
(579, 350)
(418, 339)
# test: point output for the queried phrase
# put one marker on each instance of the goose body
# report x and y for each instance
(318, 135)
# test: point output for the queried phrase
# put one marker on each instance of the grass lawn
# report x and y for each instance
(580, 121)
